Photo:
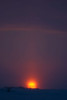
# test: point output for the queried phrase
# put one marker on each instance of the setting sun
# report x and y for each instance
(32, 85)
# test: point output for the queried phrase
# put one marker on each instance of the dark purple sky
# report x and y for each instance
(33, 43)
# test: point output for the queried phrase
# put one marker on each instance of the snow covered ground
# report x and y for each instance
(28, 94)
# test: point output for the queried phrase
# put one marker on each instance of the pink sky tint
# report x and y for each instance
(33, 29)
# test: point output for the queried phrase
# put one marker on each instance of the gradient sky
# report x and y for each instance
(33, 43)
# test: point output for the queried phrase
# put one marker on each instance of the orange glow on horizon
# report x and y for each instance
(32, 85)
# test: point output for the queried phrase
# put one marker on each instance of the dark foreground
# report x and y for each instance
(28, 94)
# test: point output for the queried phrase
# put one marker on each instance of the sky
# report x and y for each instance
(33, 43)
